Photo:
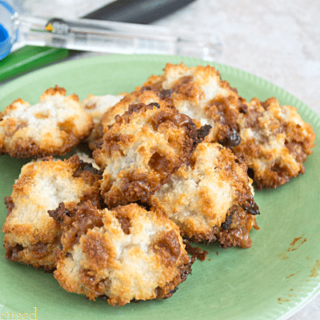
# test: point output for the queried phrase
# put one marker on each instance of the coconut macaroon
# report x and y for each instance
(275, 142)
(140, 95)
(200, 93)
(96, 106)
(141, 150)
(50, 127)
(127, 254)
(211, 199)
(146, 95)
(31, 234)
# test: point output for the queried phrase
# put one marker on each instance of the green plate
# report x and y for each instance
(271, 280)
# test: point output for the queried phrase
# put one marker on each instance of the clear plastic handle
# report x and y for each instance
(102, 36)
(116, 37)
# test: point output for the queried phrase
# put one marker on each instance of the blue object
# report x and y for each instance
(8, 34)
(3, 33)
(5, 43)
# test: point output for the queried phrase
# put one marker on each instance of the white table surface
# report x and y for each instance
(276, 40)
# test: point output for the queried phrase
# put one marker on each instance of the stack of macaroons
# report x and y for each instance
(167, 163)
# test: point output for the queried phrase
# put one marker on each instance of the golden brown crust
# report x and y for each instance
(39, 255)
(57, 90)
(279, 141)
(197, 92)
(99, 257)
(136, 97)
(237, 233)
(52, 126)
(275, 142)
(206, 196)
(200, 93)
(234, 232)
(31, 234)
(141, 150)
